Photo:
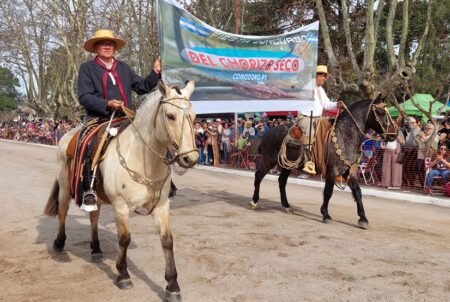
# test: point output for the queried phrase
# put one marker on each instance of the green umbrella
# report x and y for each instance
(422, 100)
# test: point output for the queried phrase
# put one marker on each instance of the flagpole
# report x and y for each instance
(237, 17)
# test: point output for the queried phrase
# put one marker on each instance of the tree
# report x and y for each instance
(8, 93)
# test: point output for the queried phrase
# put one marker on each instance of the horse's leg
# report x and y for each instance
(161, 215)
(96, 252)
(327, 193)
(63, 208)
(121, 213)
(259, 176)
(282, 180)
(357, 196)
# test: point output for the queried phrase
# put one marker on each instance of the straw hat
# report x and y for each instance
(102, 35)
(322, 69)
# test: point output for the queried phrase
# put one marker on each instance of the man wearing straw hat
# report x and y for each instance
(321, 102)
(105, 85)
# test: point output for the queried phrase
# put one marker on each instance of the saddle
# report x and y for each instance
(78, 147)
(294, 137)
(322, 134)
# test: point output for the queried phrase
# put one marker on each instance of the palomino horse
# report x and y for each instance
(341, 153)
(135, 173)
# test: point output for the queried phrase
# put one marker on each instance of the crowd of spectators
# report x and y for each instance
(216, 138)
(40, 131)
(423, 145)
(406, 162)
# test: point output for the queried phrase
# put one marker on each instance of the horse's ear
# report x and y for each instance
(379, 98)
(189, 89)
(162, 87)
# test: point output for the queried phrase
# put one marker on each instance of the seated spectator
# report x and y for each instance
(368, 145)
(440, 166)
(444, 133)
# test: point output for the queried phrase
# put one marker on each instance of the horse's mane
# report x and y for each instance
(358, 109)
(148, 108)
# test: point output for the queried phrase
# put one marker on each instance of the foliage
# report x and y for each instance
(8, 93)
(42, 40)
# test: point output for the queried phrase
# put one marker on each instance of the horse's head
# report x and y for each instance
(174, 124)
(379, 119)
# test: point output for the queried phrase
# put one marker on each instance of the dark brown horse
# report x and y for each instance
(342, 152)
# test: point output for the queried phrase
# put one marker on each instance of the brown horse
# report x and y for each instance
(136, 173)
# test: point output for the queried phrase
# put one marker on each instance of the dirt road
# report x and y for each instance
(223, 250)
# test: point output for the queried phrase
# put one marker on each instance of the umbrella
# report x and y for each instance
(424, 101)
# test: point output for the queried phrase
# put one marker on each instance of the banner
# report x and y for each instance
(236, 73)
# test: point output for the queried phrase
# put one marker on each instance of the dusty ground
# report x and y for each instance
(224, 251)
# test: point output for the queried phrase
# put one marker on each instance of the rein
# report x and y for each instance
(142, 179)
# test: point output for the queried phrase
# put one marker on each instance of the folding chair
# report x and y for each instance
(239, 159)
(366, 170)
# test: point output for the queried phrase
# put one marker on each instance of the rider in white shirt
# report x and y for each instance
(321, 101)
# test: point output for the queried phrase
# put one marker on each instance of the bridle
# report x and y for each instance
(136, 176)
(187, 120)
(390, 122)
(373, 108)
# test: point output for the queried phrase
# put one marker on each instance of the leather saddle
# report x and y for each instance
(295, 135)
(78, 146)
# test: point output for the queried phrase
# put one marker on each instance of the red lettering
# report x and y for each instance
(222, 61)
(262, 64)
(211, 62)
(233, 63)
(282, 65)
(252, 64)
(295, 65)
(288, 64)
(203, 59)
(269, 65)
(193, 56)
(243, 64)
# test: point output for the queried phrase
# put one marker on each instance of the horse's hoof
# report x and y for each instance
(57, 247)
(253, 205)
(327, 220)
(124, 284)
(288, 210)
(173, 297)
(363, 224)
(96, 258)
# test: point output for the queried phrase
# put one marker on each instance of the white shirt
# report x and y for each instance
(391, 145)
(321, 101)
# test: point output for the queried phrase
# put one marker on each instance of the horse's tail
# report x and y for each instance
(51, 209)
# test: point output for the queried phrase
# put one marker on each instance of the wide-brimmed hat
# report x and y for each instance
(322, 69)
(102, 35)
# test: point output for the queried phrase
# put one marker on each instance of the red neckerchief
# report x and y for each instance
(115, 75)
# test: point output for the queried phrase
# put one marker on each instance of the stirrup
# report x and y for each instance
(89, 201)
